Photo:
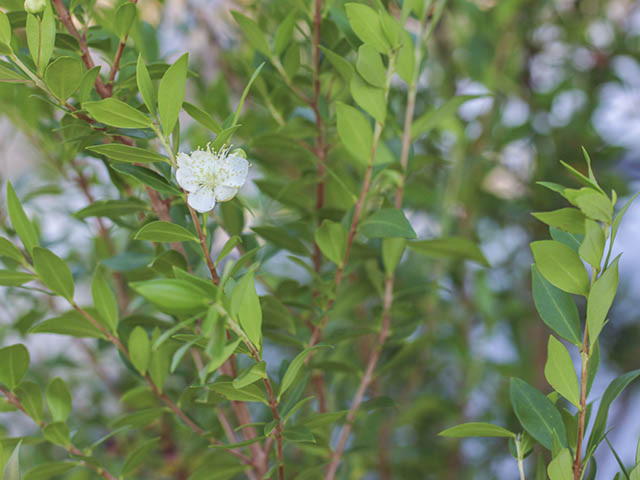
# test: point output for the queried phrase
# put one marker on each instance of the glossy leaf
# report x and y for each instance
(116, 113)
(171, 93)
(64, 76)
(560, 373)
(125, 153)
(246, 306)
(161, 231)
(140, 349)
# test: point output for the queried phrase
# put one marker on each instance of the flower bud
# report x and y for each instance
(240, 152)
(35, 6)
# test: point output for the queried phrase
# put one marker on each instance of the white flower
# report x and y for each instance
(211, 176)
(35, 6)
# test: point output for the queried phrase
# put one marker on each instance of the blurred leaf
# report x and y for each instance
(387, 222)
(246, 306)
(450, 247)
(21, 224)
(476, 429)
(250, 375)
(355, 132)
(138, 456)
(568, 219)
(58, 399)
(125, 153)
(161, 231)
(10, 278)
(171, 93)
(600, 299)
(53, 272)
(63, 77)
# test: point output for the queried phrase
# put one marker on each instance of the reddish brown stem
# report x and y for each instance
(577, 464)
(203, 244)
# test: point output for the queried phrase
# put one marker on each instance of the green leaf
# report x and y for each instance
(111, 209)
(15, 364)
(9, 278)
(537, 414)
(614, 389)
(322, 419)
(561, 266)
(385, 223)
(9, 250)
(284, 34)
(125, 153)
(147, 176)
(64, 76)
(600, 299)
(49, 470)
(294, 368)
(592, 247)
(8, 75)
(140, 349)
(171, 93)
(331, 238)
(71, 323)
(580, 177)
(145, 85)
(12, 469)
(392, 250)
(228, 246)
(370, 66)
(58, 399)
(618, 218)
(298, 434)
(173, 295)
(366, 24)
(116, 113)
(477, 429)
(5, 29)
(568, 219)
(281, 239)
(432, 118)
(246, 306)
(41, 34)
(250, 375)
(560, 373)
(125, 16)
(450, 247)
(53, 272)
(371, 99)
(21, 224)
(355, 132)
(57, 433)
(104, 300)
(180, 353)
(236, 115)
(30, 397)
(556, 308)
(161, 231)
(561, 467)
(138, 456)
(342, 66)
(593, 204)
(218, 358)
(250, 393)
(202, 117)
(254, 34)
(406, 58)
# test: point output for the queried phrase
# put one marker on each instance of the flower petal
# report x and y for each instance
(184, 160)
(232, 171)
(202, 200)
(202, 164)
(224, 193)
(186, 179)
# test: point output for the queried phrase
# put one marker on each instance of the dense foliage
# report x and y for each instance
(278, 270)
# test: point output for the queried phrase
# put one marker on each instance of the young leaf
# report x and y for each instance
(342, 67)
(15, 364)
(226, 249)
(388, 222)
(568, 219)
(250, 393)
(116, 113)
(5, 30)
(450, 247)
(30, 397)
(355, 132)
(58, 398)
(618, 218)
(284, 34)
(140, 349)
(87, 84)
(601, 298)
(104, 300)
(21, 224)
(331, 238)
(236, 114)
(71, 323)
(145, 85)
(592, 247)
(9, 250)
(561, 467)
(561, 266)
(392, 250)
(125, 16)
(370, 66)
(246, 306)
(434, 117)
(125, 153)
(477, 429)
(366, 24)
(41, 34)
(593, 204)
(12, 469)
(537, 414)
(560, 373)
(406, 58)
(147, 177)
(556, 308)
(161, 231)
(371, 99)
(171, 93)
(64, 76)
(53, 272)
(252, 374)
